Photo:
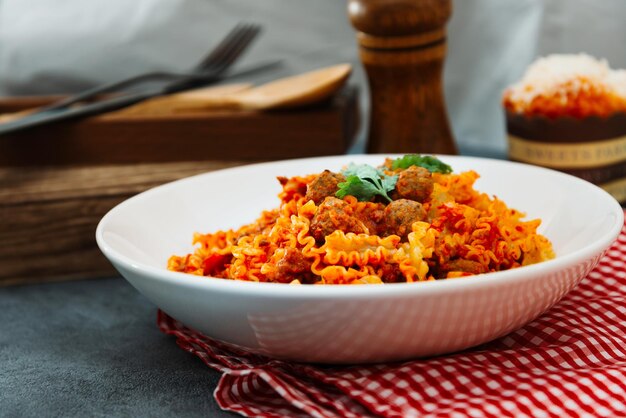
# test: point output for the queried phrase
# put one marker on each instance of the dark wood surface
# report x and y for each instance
(49, 215)
(324, 129)
(56, 183)
(403, 46)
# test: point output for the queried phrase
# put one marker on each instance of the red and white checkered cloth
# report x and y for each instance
(569, 362)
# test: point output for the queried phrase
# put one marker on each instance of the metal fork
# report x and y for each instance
(211, 67)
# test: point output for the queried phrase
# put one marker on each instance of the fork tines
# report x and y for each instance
(230, 48)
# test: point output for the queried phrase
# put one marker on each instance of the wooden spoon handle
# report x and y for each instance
(192, 101)
(299, 90)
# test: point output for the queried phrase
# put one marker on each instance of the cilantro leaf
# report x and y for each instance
(362, 171)
(389, 182)
(364, 182)
(355, 186)
(432, 164)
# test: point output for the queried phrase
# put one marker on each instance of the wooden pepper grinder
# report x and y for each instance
(402, 47)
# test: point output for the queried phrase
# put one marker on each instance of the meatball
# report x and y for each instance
(324, 185)
(334, 214)
(400, 215)
(293, 265)
(414, 183)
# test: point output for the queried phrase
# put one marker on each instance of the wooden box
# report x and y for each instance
(56, 182)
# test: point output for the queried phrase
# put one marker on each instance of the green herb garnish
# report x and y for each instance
(432, 164)
(364, 182)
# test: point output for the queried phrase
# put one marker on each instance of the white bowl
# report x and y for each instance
(354, 324)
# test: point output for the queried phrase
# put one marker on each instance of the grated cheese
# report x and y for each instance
(575, 84)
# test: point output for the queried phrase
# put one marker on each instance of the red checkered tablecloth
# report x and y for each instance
(569, 362)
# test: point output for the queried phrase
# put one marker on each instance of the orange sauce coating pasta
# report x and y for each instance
(454, 231)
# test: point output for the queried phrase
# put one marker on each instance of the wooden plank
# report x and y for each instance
(324, 129)
(48, 217)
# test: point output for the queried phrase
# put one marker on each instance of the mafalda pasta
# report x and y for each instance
(409, 220)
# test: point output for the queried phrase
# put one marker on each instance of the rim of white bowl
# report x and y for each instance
(499, 278)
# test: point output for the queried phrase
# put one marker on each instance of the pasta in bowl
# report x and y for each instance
(410, 219)
(439, 312)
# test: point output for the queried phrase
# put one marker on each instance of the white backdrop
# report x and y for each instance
(61, 46)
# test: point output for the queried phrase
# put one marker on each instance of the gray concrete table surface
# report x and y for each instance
(92, 348)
